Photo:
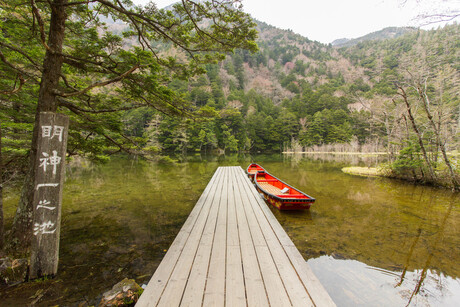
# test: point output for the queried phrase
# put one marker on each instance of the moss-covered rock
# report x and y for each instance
(124, 293)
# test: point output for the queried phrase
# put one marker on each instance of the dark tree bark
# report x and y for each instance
(1, 193)
(47, 102)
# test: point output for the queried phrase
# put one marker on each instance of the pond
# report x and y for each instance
(370, 241)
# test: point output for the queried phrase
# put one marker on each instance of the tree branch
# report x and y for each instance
(150, 22)
(77, 3)
(15, 89)
(21, 71)
(16, 49)
(36, 13)
(99, 84)
(120, 146)
(69, 105)
(197, 28)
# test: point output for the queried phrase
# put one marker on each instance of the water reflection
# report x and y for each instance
(119, 219)
(387, 224)
(353, 283)
(369, 160)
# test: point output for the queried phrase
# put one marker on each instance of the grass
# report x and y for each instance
(363, 171)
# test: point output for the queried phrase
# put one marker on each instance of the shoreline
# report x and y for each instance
(375, 172)
(364, 171)
(337, 153)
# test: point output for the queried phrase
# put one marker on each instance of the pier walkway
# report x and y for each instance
(232, 251)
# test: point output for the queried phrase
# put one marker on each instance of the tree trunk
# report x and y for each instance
(436, 131)
(22, 225)
(387, 127)
(1, 193)
(414, 126)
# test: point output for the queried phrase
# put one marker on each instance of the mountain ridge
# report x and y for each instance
(385, 33)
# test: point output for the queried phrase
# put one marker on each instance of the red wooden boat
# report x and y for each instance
(253, 169)
(280, 194)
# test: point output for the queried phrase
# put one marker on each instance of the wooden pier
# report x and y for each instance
(232, 251)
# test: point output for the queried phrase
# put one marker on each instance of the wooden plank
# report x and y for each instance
(315, 289)
(235, 294)
(275, 289)
(274, 286)
(277, 228)
(172, 294)
(214, 294)
(255, 289)
(193, 294)
(270, 188)
(232, 251)
(297, 293)
(157, 283)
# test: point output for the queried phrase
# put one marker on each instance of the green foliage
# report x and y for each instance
(229, 141)
(115, 78)
(166, 160)
(408, 161)
(306, 100)
(315, 115)
(359, 85)
(300, 67)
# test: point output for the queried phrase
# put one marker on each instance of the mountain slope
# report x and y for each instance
(386, 33)
(298, 92)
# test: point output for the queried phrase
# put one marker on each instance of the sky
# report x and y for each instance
(327, 20)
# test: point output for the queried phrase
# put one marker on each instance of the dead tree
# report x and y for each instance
(403, 94)
(421, 90)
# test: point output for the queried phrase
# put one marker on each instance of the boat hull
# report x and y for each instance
(280, 205)
(253, 169)
(281, 195)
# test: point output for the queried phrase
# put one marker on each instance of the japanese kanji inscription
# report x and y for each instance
(50, 168)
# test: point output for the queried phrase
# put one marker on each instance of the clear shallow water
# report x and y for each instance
(119, 219)
(353, 283)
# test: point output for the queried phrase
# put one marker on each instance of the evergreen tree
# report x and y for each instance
(93, 77)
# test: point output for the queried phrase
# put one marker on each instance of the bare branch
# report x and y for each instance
(429, 19)
(403, 94)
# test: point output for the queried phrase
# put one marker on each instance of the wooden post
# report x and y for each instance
(49, 180)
